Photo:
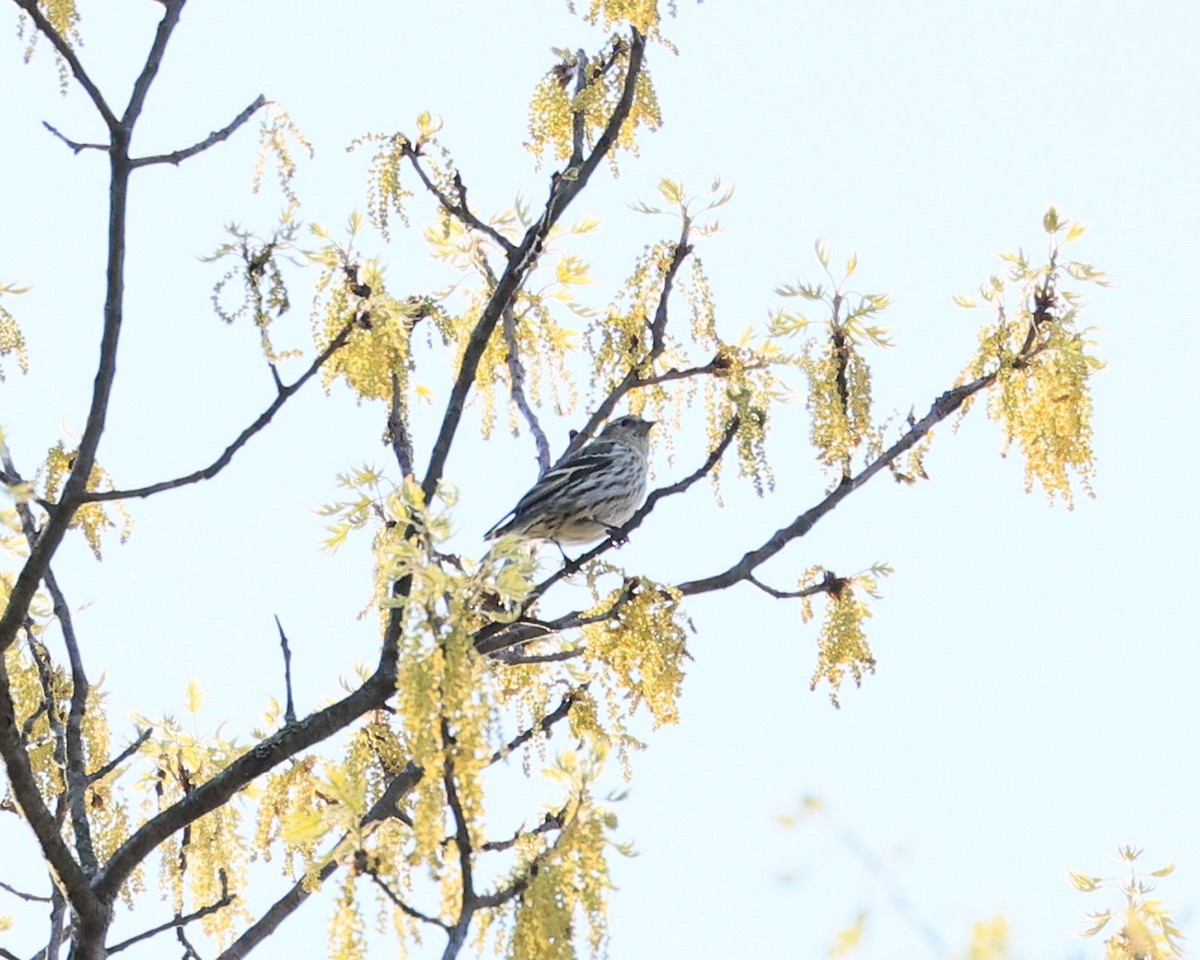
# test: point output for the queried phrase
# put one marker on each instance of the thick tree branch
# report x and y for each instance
(266, 755)
(217, 136)
(207, 473)
(520, 262)
(942, 407)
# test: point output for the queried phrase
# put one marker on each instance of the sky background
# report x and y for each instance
(1036, 692)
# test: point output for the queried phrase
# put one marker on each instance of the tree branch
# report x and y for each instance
(65, 51)
(520, 262)
(457, 209)
(266, 755)
(207, 473)
(286, 905)
(942, 407)
(24, 789)
(226, 899)
(75, 145)
(120, 758)
(76, 776)
(141, 87)
(542, 726)
(404, 907)
(658, 329)
(217, 136)
(516, 377)
(29, 897)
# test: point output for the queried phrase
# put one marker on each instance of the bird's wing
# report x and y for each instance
(558, 481)
(593, 458)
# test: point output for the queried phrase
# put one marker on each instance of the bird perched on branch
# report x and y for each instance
(590, 494)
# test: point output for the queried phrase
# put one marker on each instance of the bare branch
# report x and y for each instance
(76, 775)
(397, 432)
(74, 145)
(65, 51)
(24, 789)
(404, 907)
(207, 473)
(542, 726)
(787, 594)
(30, 897)
(457, 208)
(226, 899)
(520, 262)
(141, 87)
(512, 659)
(942, 407)
(120, 758)
(217, 136)
(552, 821)
(516, 376)
(289, 713)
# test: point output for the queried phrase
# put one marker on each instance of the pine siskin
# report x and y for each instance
(591, 493)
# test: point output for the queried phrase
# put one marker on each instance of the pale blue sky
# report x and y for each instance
(1036, 692)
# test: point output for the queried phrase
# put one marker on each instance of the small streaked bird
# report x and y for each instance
(591, 493)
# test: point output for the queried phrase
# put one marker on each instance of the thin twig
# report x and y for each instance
(552, 821)
(76, 775)
(178, 922)
(787, 594)
(542, 726)
(658, 327)
(513, 659)
(217, 136)
(289, 713)
(30, 897)
(516, 378)
(74, 145)
(207, 473)
(397, 433)
(457, 209)
(404, 907)
(120, 758)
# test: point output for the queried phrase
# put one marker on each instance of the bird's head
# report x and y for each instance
(629, 427)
